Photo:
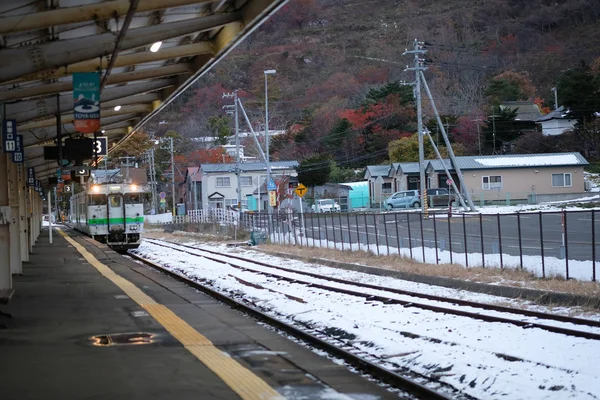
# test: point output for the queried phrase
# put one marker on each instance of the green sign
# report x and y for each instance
(86, 98)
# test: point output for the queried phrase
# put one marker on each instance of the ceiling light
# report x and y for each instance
(117, 108)
(154, 48)
(103, 131)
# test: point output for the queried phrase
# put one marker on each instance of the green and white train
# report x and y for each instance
(112, 213)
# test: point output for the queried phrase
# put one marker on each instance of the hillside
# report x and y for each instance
(330, 55)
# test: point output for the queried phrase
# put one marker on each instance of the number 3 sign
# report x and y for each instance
(101, 145)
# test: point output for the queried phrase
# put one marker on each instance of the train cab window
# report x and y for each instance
(133, 198)
(97, 200)
(115, 201)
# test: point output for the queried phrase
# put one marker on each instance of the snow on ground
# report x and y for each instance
(468, 354)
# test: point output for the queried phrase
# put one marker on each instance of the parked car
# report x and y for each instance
(326, 205)
(437, 197)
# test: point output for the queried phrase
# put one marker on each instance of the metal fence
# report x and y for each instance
(546, 244)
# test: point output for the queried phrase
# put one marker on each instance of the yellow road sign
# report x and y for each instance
(301, 190)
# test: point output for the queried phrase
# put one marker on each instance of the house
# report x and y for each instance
(380, 181)
(216, 184)
(556, 122)
(506, 178)
(527, 111)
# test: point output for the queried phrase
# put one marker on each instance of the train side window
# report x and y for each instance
(115, 201)
(97, 200)
(133, 198)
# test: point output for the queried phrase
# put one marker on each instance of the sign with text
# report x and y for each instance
(19, 154)
(273, 198)
(30, 176)
(101, 145)
(86, 98)
(38, 186)
(9, 132)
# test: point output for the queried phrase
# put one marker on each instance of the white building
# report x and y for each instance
(216, 184)
(556, 122)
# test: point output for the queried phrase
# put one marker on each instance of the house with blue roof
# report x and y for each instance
(499, 178)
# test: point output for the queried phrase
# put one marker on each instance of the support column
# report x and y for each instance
(23, 228)
(5, 274)
(13, 201)
(30, 221)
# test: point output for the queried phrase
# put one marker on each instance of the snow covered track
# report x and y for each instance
(526, 323)
(471, 350)
(322, 340)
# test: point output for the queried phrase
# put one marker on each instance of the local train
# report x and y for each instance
(112, 213)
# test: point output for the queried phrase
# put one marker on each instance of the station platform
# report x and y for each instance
(89, 323)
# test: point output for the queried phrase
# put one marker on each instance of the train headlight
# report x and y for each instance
(134, 227)
(133, 187)
(95, 188)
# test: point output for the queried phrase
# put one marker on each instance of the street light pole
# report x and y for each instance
(267, 161)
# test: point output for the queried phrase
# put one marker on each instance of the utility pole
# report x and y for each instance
(477, 120)
(267, 161)
(418, 68)
(237, 145)
(555, 90)
(172, 175)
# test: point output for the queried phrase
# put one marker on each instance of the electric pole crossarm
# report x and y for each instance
(448, 145)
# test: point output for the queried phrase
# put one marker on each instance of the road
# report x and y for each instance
(492, 233)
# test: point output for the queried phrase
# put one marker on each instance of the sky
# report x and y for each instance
(465, 353)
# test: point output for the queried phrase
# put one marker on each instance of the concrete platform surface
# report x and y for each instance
(75, 334)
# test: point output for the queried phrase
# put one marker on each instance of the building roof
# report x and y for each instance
(248, 167)
(559, 113)
(513, 161)
(407, 167)
(378, 170)
(526, 110)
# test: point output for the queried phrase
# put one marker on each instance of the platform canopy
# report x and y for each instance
(42, 42)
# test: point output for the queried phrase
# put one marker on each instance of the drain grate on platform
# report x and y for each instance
(115, 339)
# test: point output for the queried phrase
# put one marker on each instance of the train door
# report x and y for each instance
(116, 213)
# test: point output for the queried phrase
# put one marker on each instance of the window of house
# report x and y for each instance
(561, 180)
(246, 180)
(223, 181)
(491, 182)
(386, 187)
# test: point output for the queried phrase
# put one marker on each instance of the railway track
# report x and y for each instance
(413, 384)
(527, 314)
(407, 358)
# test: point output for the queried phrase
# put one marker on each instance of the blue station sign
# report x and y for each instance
(9, 132)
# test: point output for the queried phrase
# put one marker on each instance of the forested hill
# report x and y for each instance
(337, 90)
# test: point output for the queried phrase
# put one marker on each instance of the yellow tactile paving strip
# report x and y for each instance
(241, 380)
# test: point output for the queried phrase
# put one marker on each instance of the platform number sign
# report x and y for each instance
(18, 155)
(30, 177)
(9, 133)
(101, 145)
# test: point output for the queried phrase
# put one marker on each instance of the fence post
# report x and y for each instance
(465, 240)
(326, 231)
(349, 230)
(387, 245)
(542, 245)
(397, 233)
(500, 241)
(409, 234)
(520, 238)
(593, 245)
(342, 231)
(450, 241)
(357, 232)
(319, 224)
(421, 216)
(435, 241)
(481, 237)
(566, 242)
(367, 231)
(376, 224)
